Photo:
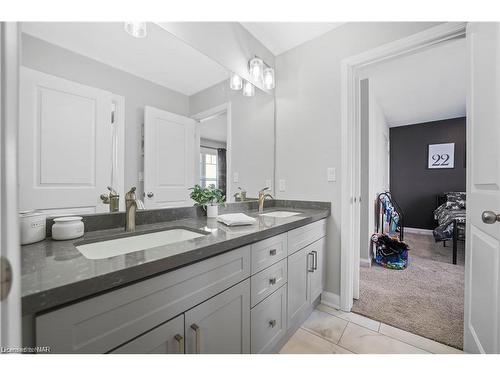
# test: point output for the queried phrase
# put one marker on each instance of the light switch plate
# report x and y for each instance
(236, 177)
(331, 174)
(282, 185)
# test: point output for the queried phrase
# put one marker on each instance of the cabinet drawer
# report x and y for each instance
(303, 236)
(267, 281)
(268, 321)
(104, 322)
(268, 252)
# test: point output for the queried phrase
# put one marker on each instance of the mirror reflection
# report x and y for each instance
(105, 107)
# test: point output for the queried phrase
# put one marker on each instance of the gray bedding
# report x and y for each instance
(453, 210)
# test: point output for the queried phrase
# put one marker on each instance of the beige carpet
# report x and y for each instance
(426, 299)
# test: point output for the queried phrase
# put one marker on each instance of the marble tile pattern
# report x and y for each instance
(55, 272)
(330, 331)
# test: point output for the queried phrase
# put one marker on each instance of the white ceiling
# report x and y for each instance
(279, 37)
(426, 86)
(160, 57)
(214, 129)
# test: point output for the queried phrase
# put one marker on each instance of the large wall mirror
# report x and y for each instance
(101, 108)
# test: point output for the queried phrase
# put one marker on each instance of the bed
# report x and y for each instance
(450, 215)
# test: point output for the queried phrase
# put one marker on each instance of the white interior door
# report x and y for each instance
(169, 158)
(65, 144)
(482, 263)
(10, 260)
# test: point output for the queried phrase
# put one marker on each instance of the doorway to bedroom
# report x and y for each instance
(413, 178)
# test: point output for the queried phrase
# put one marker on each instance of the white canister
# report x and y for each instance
(67, 228)
(32, 225)
(212, 210)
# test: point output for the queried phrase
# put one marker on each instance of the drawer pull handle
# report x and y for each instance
(196, 329)
(312, 267)
(315, 258)
(180, 340)
(272, 323)
(272, 252)
(272, 280)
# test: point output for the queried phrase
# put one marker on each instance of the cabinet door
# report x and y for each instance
(298, 290)
(165, 339)
(220, 325)
(317, 276)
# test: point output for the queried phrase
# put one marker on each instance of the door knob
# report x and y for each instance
(489, 217)
(5, 278)
(150, 194)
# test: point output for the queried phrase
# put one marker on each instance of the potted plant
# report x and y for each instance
(209, 198)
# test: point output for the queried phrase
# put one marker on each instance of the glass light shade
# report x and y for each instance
(269, 82)
(136, 29)
(256, 69)
(248, 89)
(235, 82)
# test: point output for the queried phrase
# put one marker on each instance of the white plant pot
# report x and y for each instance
(212, 211)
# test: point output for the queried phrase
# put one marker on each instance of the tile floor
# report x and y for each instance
(330, 331)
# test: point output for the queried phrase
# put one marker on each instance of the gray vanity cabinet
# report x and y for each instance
(316, 273)
(306, 254)
(168, 338)
(220, 325)
(298, 287)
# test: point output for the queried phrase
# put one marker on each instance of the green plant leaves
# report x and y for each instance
(208, 195)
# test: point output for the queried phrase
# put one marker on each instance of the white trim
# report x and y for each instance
(363, 262)
(119, 163)
(350, 143)
(427, 232)
(225, 107)
(10, 307)
(330, 300)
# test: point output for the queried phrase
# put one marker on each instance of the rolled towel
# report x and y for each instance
(236, 219)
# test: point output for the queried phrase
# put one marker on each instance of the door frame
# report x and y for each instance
(10, 308)
(224, 107)
(350, 140)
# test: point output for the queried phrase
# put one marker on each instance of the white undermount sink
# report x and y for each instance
(280, 214)
(125, 245)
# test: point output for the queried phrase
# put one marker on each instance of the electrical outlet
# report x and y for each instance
(268, 184)
(282, 185)
(141, 176)
(236, 177)
(331, 174)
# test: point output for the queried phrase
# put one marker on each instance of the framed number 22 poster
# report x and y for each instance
(441, 156)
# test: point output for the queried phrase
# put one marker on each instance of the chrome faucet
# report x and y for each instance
(262, 197)
(131, 209)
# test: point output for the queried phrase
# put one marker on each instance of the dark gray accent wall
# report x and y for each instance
(413, 185)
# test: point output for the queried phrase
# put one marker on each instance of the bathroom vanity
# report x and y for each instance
(226, 290)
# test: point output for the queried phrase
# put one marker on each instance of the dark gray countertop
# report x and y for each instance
(55, 273)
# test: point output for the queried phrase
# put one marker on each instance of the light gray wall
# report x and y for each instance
(252, 134)
(228, 43)
(308, 117)
(138, 92)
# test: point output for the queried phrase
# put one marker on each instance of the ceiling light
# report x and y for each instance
(235, 82)
(136, 29)
(248, 89)
(256, 68)
(269, 82)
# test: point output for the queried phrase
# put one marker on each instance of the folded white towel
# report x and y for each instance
(236, 219)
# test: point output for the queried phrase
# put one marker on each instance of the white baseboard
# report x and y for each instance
(330, 300)
(365, 262)
(427, 232)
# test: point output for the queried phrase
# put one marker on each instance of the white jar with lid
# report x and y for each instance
(67, 228)
(32, 225)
